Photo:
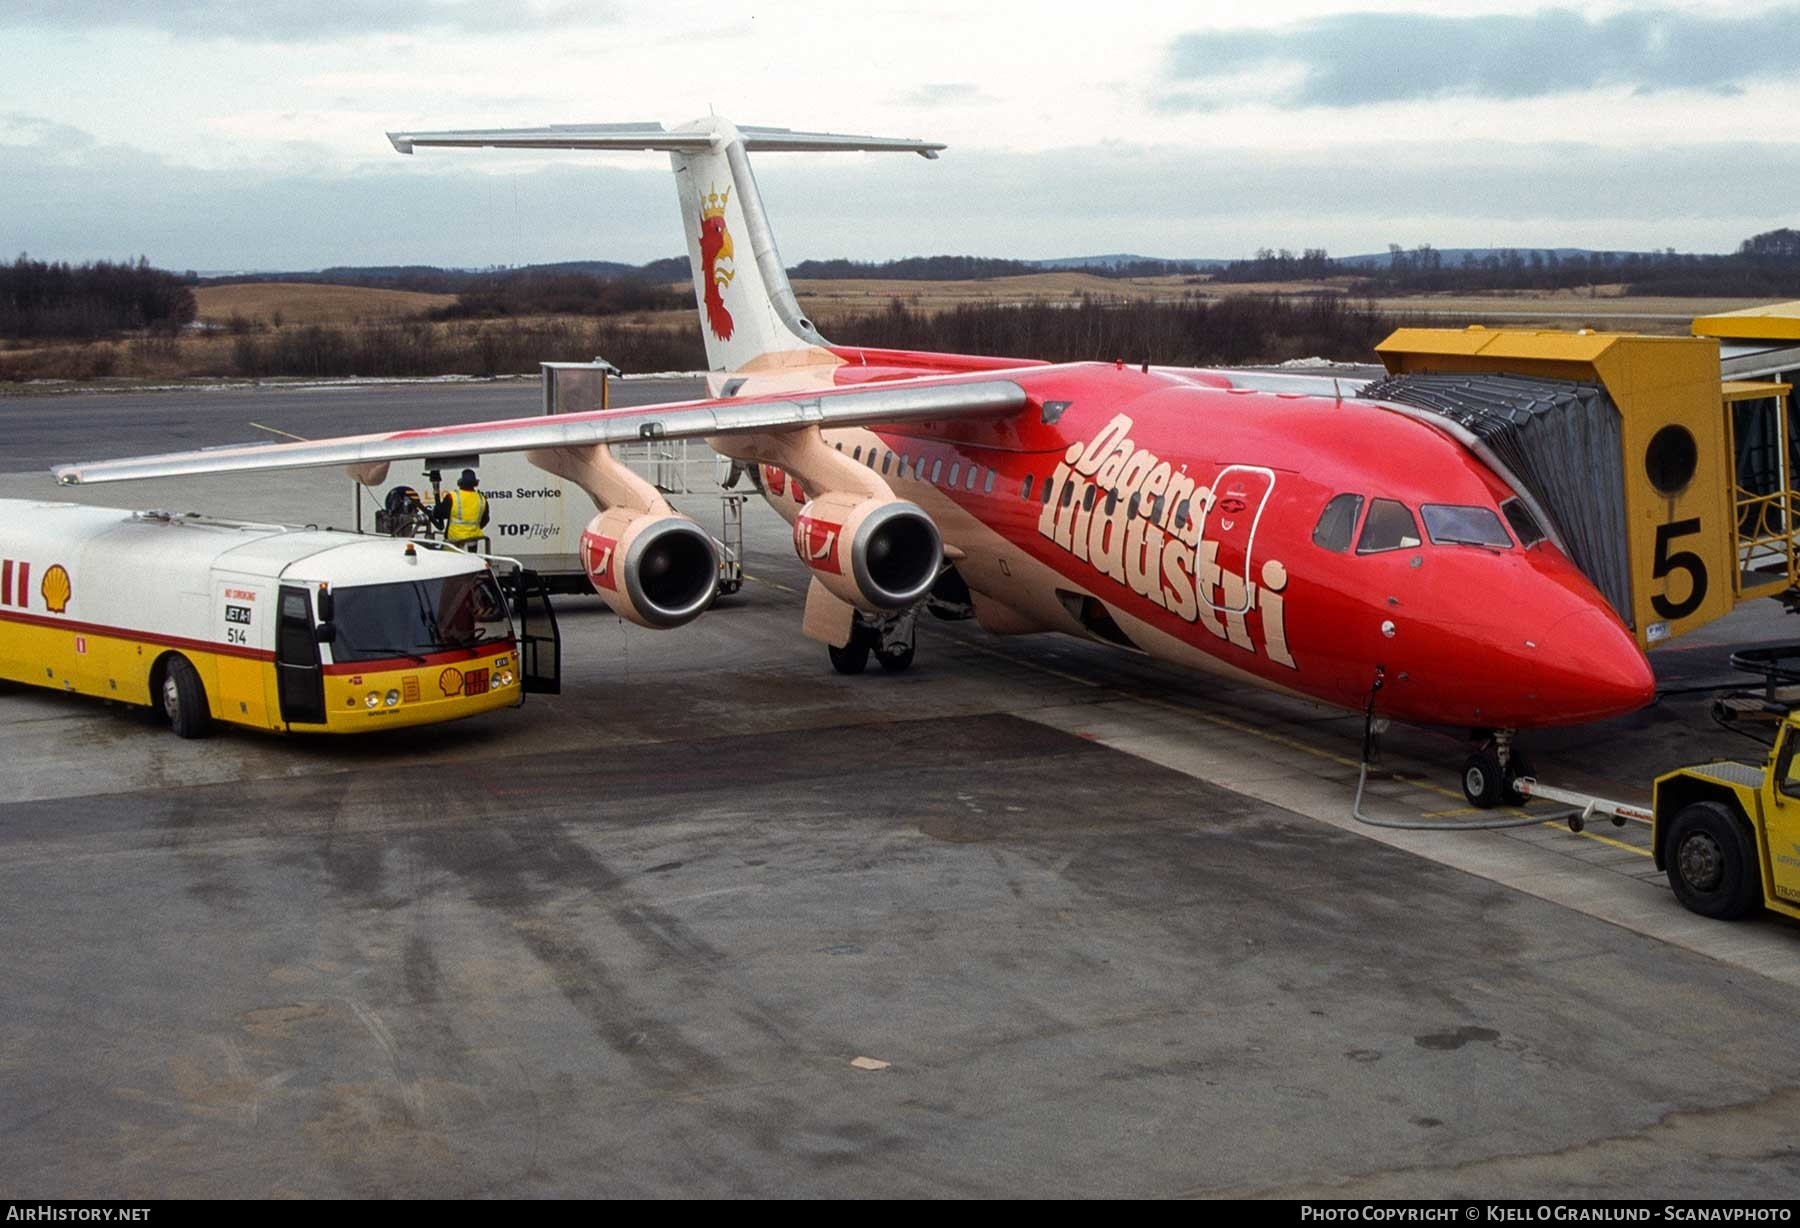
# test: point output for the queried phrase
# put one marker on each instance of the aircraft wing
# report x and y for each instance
(860, 406)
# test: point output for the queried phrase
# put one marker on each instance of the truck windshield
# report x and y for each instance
(418, 617)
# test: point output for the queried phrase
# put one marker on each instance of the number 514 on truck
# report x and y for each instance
(286, 629)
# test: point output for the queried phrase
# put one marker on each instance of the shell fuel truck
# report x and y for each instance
(278, 628)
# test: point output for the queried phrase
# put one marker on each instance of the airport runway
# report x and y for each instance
(1105, 923)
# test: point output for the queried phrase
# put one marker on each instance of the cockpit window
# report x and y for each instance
(1464, 526)
(1523, 523)
(1389, 527)
(1337, 523)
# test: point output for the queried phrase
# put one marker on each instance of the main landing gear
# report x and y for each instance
(890, 639)
(1492, 771)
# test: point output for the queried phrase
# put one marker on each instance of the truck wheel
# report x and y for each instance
(184, 700)
(1484, 780)
(1712, 862)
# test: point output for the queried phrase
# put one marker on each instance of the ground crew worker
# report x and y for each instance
(463, 513)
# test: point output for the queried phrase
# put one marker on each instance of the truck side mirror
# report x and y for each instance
(327, 606)
(326, 633)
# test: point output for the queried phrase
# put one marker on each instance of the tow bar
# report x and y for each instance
(1585, 806)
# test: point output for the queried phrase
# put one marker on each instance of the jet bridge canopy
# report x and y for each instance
(1673, 492)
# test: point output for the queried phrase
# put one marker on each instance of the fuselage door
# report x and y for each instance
(1228, 526)
(301, 678)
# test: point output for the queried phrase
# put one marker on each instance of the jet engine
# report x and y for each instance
(656, 570)
(877, 554)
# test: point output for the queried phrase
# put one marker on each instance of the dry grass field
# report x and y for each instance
(1603, 307)
(831, 296)
(248, 314)
(302, 303)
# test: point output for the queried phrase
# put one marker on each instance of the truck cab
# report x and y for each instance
(1728, 834)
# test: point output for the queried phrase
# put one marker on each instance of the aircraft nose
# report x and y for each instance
(1590, 665)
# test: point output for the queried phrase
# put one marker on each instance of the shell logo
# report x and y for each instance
(450, 681)
(56, 589)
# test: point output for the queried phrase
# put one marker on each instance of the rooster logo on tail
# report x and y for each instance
(718, 264)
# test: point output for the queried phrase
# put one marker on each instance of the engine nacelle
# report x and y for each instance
(876, 554)
(657, 571)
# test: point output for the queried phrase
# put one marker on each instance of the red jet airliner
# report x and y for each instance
(1259, 527)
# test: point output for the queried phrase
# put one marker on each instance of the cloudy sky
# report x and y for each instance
(231, 134)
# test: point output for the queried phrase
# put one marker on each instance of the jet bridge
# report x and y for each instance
(1674, 491)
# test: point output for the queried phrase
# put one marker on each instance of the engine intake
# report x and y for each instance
(877, 554)
(657, 571)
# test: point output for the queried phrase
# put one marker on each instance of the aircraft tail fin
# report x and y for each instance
(748, 313)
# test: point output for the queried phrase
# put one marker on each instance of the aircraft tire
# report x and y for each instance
(896, 660)
(1484, 781)
(1712, 862)
(852, 658)
(184, 700)
(1517, 765)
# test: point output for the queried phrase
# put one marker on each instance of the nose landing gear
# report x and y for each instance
(1491, 772)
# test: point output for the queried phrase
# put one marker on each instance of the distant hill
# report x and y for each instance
(913, 268)
(1117, 260)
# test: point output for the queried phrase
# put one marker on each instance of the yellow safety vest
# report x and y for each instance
(466, 507)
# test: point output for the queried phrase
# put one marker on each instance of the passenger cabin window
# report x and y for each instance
(1464, 526)
(1025, 490)
(887, 459)
(937, 469)
(955, 468)
(1389, 527)
(1524, 524)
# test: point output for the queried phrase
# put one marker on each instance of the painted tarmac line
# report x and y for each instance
(780, 588)
(278, 431)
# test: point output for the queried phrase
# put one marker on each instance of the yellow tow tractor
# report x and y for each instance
(1728, 833)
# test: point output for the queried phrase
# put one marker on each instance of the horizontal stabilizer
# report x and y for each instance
(653, 136)
(867, 406)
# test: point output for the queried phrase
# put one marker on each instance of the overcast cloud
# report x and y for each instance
(248, 134)
(1352, 59)
(289, 20)
(462, 208)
